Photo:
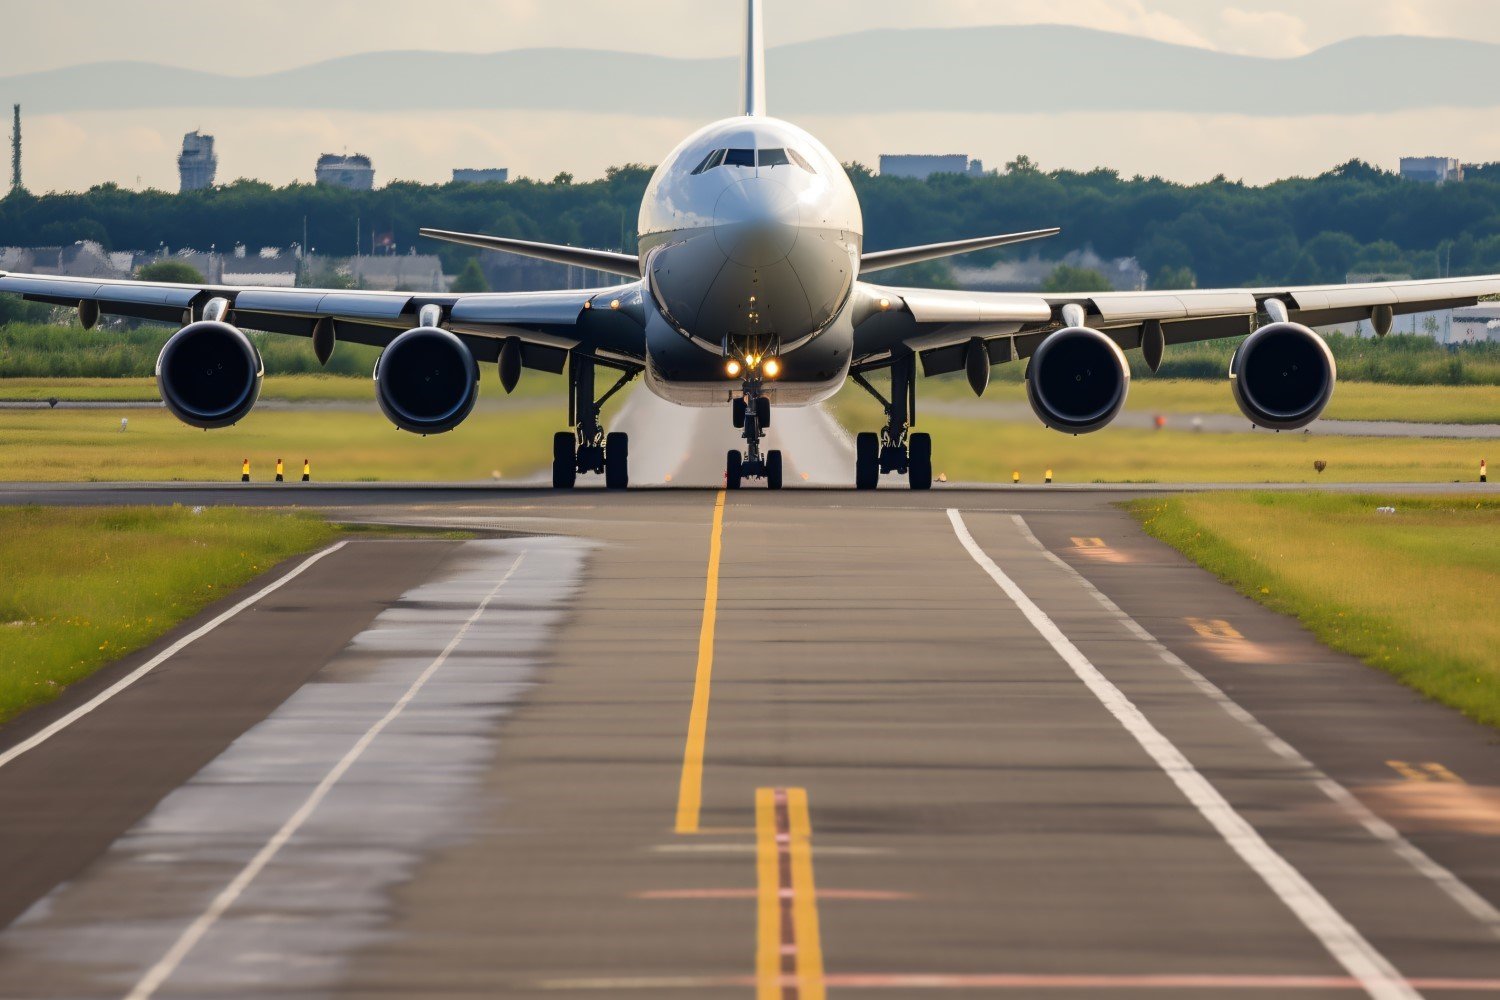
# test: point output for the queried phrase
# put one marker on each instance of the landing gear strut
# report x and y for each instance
(896, 448)
(587, 448)
(752, 414)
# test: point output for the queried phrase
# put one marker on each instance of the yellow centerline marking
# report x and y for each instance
(768, 900)
(789, 946)
(690, 789)
(805, 900)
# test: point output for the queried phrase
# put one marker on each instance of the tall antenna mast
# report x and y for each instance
(15, 150)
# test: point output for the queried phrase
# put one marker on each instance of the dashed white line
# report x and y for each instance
(1374, 972)
(163, 969)
(43, 735)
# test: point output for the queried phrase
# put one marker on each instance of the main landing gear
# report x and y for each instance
(752, 414)
(895, 449)
(587, 448)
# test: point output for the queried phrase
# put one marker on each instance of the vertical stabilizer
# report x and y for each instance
(754, 82)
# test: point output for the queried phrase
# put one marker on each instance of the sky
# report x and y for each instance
(135, 148)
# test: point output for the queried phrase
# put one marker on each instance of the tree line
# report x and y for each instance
(1355, 218)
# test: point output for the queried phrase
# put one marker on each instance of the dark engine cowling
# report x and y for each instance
(426, 381)
(209, 374)
(1077, 380)
(1282, 376)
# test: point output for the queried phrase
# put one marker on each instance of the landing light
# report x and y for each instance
(732, 368)
(772, 368)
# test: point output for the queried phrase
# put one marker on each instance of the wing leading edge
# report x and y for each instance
(939, 325)
(603, 322)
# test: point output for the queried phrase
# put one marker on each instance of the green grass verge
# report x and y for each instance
(85, 586)
(983, 450)
(513, 439)
(1411, 593)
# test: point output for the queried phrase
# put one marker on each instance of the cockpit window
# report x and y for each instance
(748, 158)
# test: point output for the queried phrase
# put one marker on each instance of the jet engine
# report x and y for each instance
(1077, 380)
(1282, 376)
(209, 374)
(426, 381)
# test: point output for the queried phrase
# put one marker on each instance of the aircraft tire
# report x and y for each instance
(773, 469)
(564, 461)
(733, 470)
(617, 461)
(919, 461)
(866, 460)
(737, 408)
(763, 411)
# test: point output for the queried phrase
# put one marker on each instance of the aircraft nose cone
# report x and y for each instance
(756, 221)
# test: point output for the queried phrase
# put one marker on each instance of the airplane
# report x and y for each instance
(749, 292)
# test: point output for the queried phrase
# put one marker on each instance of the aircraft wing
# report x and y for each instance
(939, 324)
(606, 322)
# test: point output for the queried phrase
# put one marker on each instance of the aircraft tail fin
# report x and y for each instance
(753, 82)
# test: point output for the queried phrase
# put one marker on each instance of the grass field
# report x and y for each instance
(1440, 404)
(980, 450)
(87, 586)
(1412, 593)
(351, 445)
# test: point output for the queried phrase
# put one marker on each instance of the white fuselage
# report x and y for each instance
(750, 239)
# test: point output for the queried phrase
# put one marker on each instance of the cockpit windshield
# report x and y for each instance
(750, 158)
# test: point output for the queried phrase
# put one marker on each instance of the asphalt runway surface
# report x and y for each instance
(683, 742)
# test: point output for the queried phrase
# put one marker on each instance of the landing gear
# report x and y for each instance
(588, 449)
(751, 413)
(895, 449)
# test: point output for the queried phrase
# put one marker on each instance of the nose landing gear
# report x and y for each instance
(752, 414)
(896, 448)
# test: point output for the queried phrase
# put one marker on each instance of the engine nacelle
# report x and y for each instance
(426, 381)
(1282, 376)
(1077, 380)
(209, 374)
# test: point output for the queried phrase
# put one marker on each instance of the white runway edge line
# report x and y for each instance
(1378, 977)
(42, 736)
(162, 970)
(1474, 904)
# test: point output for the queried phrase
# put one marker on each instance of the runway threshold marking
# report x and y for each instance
(789, 948)
(45, 734)
(159, 973)
(1426, 771)
(1341, 939)
(690, 786)
(1471, 902)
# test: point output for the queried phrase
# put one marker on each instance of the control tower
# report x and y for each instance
(197, 164)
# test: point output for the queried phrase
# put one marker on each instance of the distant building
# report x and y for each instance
(922, 165)
(1026, 274)
(354, 172)
(1431, 169)
(197, 164)
(399, 273)
(483, 175)
(1473, 325)
(84, 259)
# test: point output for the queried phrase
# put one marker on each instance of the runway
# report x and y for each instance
(688, 743)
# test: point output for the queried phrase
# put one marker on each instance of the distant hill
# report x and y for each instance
(998, 69)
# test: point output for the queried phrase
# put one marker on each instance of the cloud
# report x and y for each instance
(1263, 33)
